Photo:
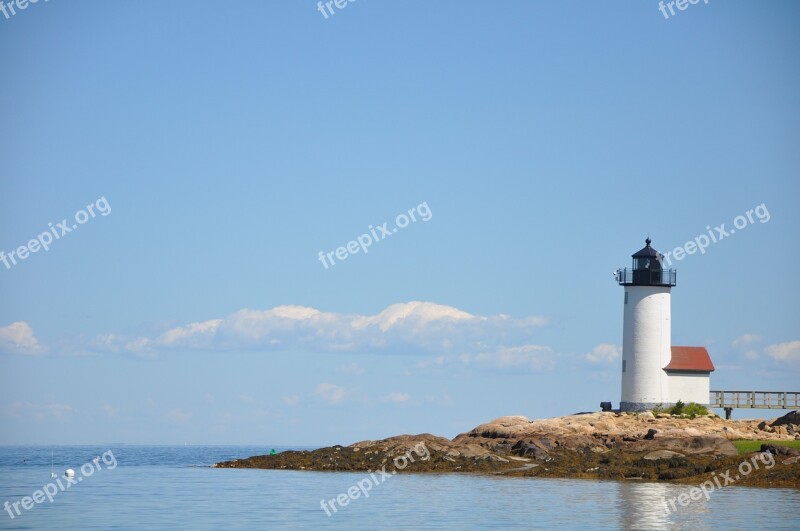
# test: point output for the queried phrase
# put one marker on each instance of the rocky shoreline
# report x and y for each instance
(607, 445)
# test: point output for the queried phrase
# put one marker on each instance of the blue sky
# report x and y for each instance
(233, 142)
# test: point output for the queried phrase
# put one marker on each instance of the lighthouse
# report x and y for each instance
(653, 371)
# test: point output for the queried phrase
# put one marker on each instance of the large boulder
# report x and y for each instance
(703, 445)
(661, 454)
(793, 417)
(777, 449)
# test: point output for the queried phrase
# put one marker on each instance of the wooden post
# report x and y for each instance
(728, 411)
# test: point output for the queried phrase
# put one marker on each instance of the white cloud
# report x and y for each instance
(18, 338)
(141, 347)
(604, 353)
(330, 393)
(789, 351)
(404, 328)
(110, 410)
(745, 340)
(509, 359)
(397, 398)
(291, 400)
(751, 355)
(192, 334)
(529, 357)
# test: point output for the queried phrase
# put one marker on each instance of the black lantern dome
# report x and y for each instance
(647, 269)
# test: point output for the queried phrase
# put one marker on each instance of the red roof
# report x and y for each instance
(694, 359)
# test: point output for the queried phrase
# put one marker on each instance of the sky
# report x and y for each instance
(200, 169)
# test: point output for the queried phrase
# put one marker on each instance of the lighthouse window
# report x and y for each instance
(626, 297)
(623, 364)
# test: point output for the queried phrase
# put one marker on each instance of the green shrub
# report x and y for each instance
(693, 410)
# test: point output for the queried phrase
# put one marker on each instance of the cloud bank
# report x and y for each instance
(403, 328)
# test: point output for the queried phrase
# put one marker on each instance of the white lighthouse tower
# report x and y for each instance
(646, 331)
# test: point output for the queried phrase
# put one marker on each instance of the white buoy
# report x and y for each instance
(69, 473)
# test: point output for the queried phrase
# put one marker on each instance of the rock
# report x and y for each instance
(531, 449)
(776, 449)
(505, 427)
(791, 461)
(662, 454)
(733, 434)
(474, 450)
(704, 445)
(594, 426)
(646, 415)
(793, 417)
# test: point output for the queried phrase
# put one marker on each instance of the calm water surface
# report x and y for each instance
(174, 488)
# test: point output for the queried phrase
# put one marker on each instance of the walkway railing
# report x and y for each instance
(728, 400)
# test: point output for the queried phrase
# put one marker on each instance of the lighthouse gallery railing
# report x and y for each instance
(651, 277)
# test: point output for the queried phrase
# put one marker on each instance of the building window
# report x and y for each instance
(623, 361)
(626, 297)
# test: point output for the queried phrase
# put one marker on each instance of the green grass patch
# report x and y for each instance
(745, 446)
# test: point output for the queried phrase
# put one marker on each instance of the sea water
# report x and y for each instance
(161, 487)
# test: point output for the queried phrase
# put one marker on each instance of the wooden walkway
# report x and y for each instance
(728, 400)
